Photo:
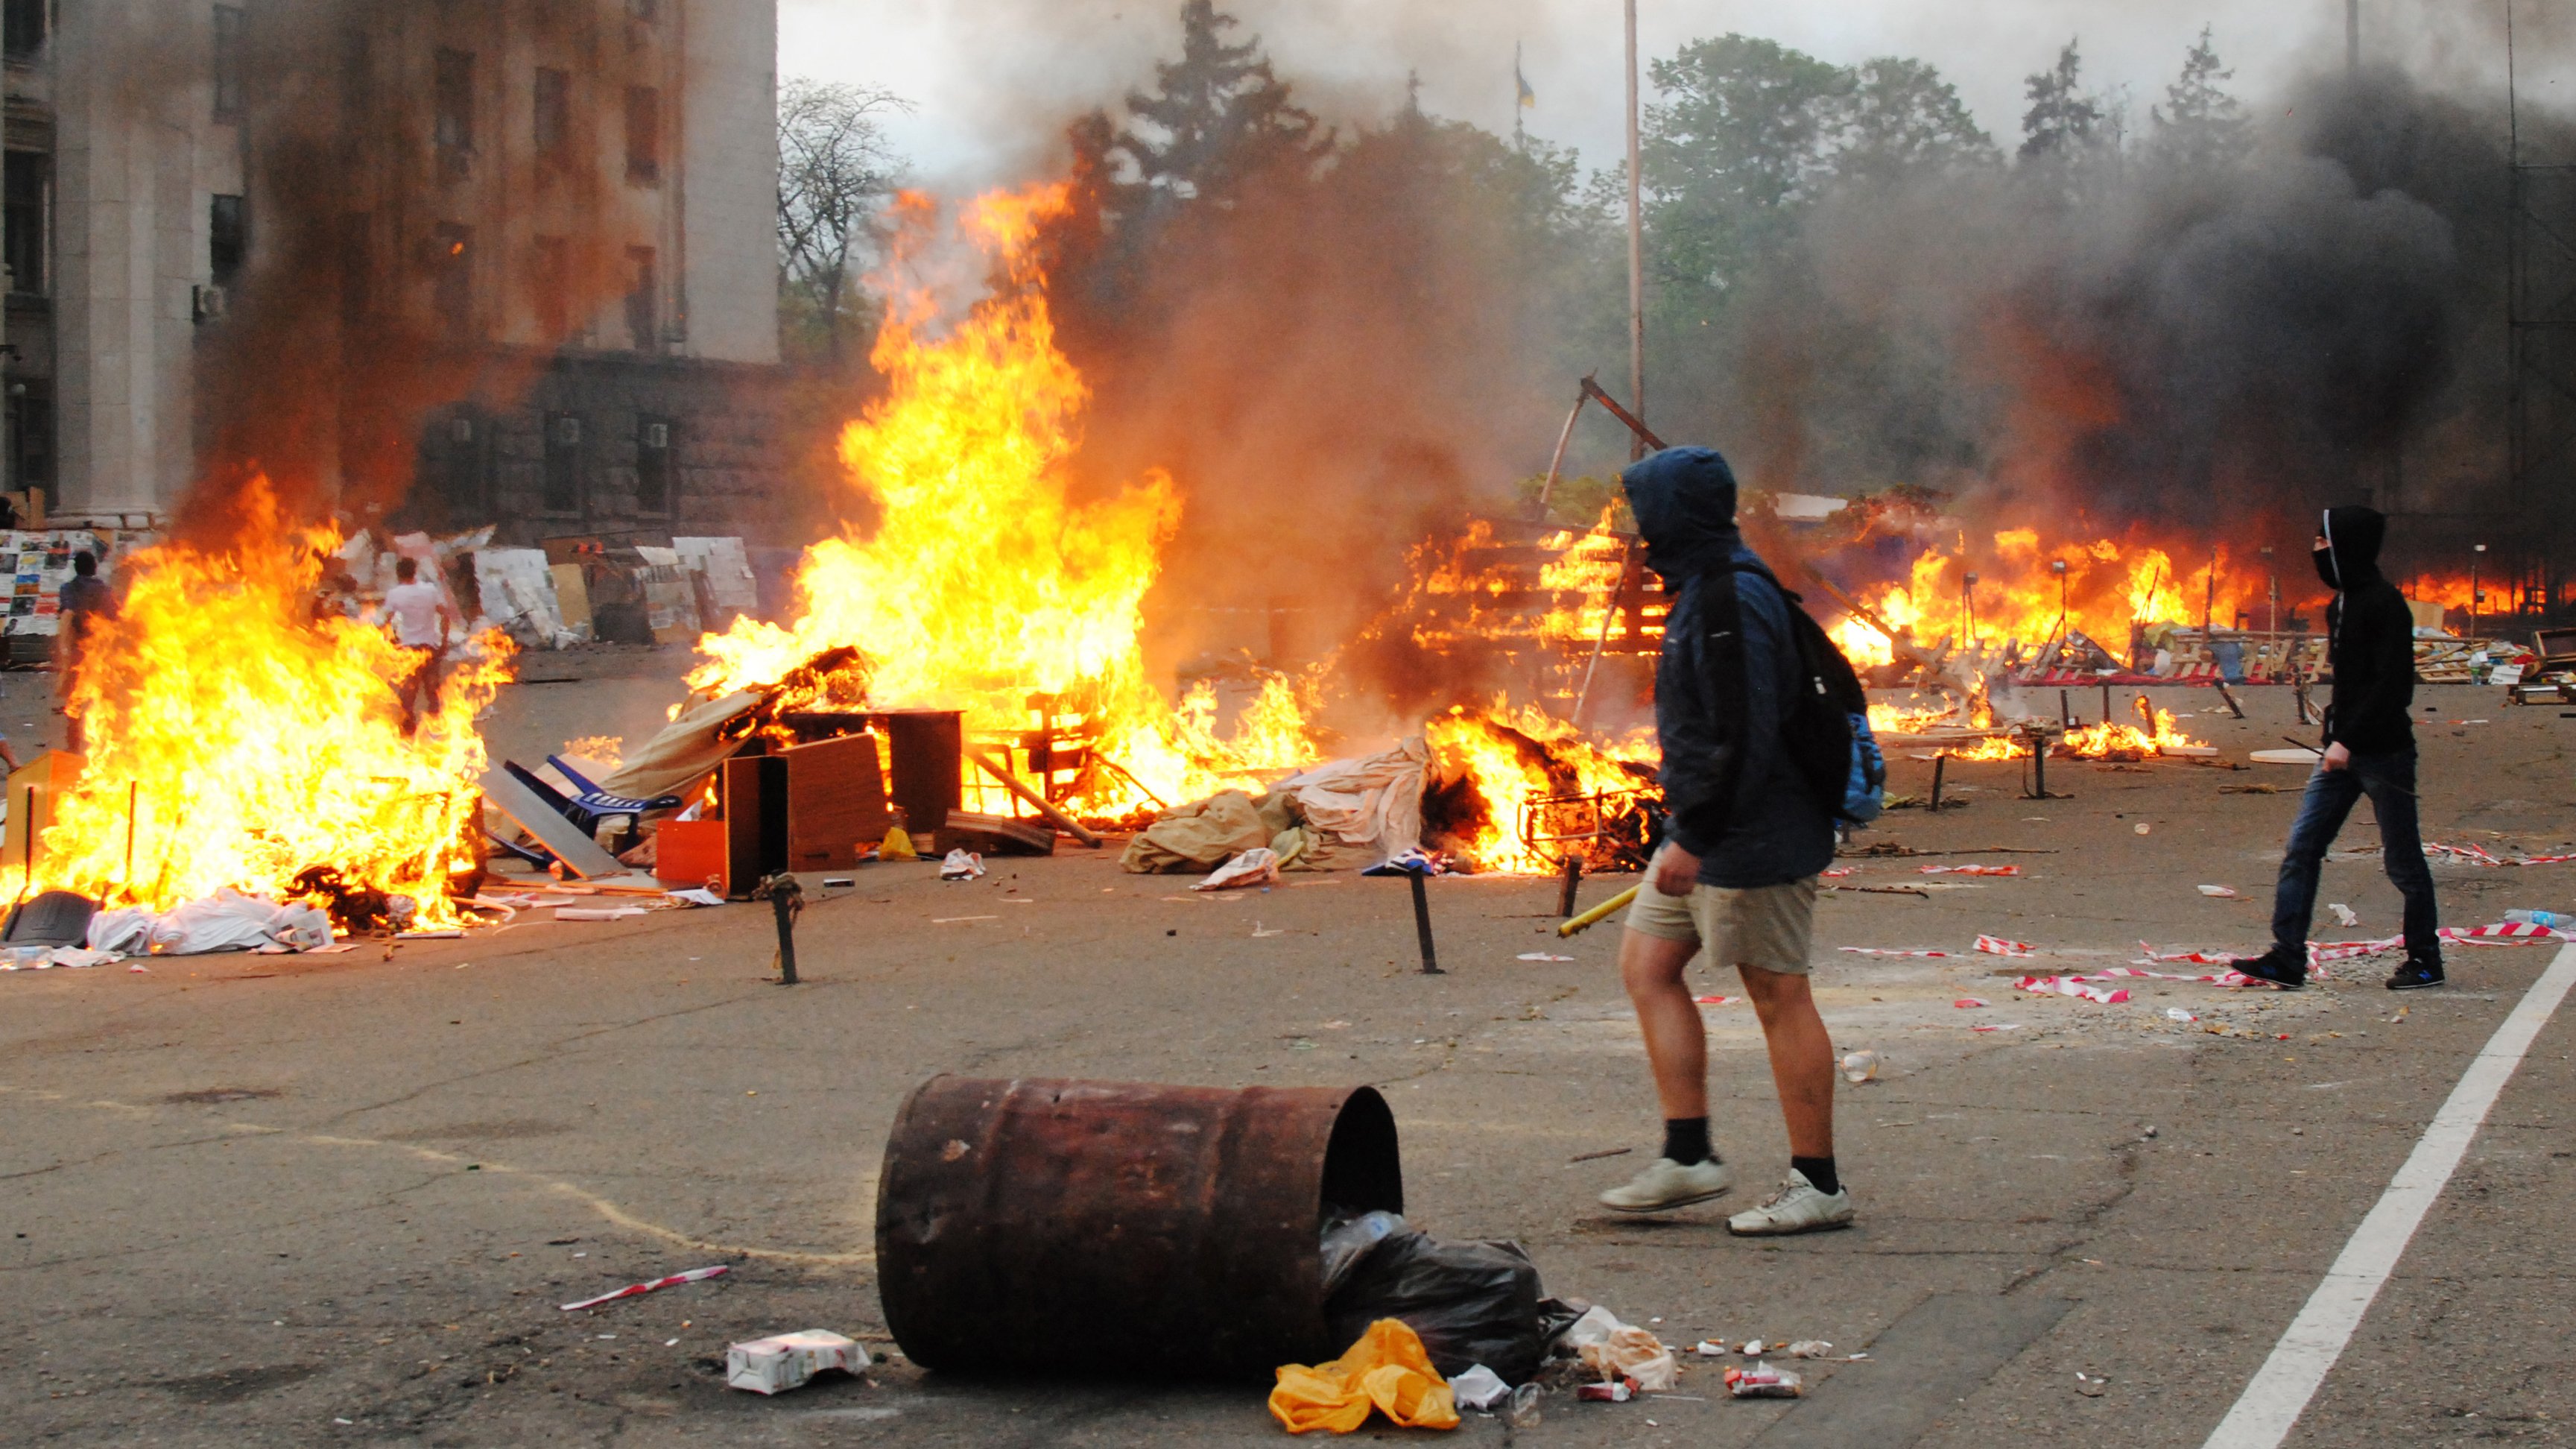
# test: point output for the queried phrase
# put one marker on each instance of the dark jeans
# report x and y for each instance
(2389, 781)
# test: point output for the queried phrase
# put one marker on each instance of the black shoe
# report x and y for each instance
(2418, 973)
(2281, 968)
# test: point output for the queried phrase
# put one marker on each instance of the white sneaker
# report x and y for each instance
(1796, 1208)
(1666, 1184)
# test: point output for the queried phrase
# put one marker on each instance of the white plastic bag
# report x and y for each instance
(1258, 866)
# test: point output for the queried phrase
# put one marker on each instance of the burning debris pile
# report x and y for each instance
(237, 741)
(986, 582)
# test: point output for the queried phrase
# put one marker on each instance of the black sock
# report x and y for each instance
(1820, 1171)
(1686, 1141)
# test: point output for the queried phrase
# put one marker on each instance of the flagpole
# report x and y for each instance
(1636, 251)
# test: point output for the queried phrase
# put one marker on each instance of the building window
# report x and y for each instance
(22, 28)
(459, 454)
(31, 435)
(357, 271)
(25, 187)
(656, 463)
(454, 98)
(643, 136)
(228, 62)
(563, 464)
(454, 298)
(643, 299)
(357, 82)
(550, 283)
(554, 113)
(227, 240)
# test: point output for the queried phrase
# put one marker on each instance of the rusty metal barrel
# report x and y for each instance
(1061, 1225)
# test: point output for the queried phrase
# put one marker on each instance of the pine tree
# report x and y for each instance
(2063, 119)
(2201, 125)
(1217, 116)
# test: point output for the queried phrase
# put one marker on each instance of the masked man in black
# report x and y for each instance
(2369, 750)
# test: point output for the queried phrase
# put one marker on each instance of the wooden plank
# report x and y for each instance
(993, 835)
(755, 817)
(580, 854)
(836, 802)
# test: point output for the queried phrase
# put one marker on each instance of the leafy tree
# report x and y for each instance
(1902, 120)
(835, 168)
(1746, 128)
(2200, 125)
(2064, 120)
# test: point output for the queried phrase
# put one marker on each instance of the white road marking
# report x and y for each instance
(2280, 1392)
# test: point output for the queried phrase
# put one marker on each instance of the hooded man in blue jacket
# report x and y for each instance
(1746, 838)
(2370, 750)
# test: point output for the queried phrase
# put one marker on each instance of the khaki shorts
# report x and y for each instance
(1765, 926)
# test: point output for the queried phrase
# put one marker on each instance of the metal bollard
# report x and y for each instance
(787, 902)
(1940, 763)
(1422, 924)
(1573, 874)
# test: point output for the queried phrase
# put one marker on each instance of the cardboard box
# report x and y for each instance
(790, 1360)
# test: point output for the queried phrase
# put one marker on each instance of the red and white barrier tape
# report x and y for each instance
(638, 1290)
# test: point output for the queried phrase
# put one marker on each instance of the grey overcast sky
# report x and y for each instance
(994, 80)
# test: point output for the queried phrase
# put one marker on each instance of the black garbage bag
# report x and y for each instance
(1472, 1303)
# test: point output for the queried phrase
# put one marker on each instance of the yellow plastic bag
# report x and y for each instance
(1386, 1370)
(898, 846)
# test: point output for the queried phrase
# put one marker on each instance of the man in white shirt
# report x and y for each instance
(421, 618)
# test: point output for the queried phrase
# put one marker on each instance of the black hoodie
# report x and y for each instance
(1728, 666)
(2371, 639)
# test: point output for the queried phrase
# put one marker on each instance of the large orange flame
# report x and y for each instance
(236, 741)
(985, 581)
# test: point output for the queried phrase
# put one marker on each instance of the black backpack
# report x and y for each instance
(1826, 727)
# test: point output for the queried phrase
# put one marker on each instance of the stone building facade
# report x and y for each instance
(540, 235)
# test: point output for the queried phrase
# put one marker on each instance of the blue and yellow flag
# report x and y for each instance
(1529, 98)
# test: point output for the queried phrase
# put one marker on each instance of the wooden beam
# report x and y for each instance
(1033, 799)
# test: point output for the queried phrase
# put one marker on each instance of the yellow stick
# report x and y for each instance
(1597, 914)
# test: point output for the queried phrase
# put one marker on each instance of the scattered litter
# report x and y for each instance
(2176, 1013)
(961, 865)
(41, 958)
(2143, 828)
(1596, 1156)
(1387, 1369)
(1255, 867)
(1479, 1388)
(1998, 946)
(2552, 919)
(2345, 916)
(957, 920)
(1998, 1026)
(1969, 869)
(597, 913)
(2090, 1388)
(2224, 893)
(1754, 1348)
(1809, 1348)
(1762, 1381)
(1838, 872)
(830, 882)
(1860, 1067)
(1971, 1003)
(1541, 956)
(1715, 1000)
(2072, 986)
(1875, 951)
(1618, 1391)
(789, 1360)
(1706, 1348)
(1258, 933)
(701, 896)
(638, 1290)
(1633, 1356)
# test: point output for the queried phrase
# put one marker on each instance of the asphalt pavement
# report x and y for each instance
(288, 1200)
